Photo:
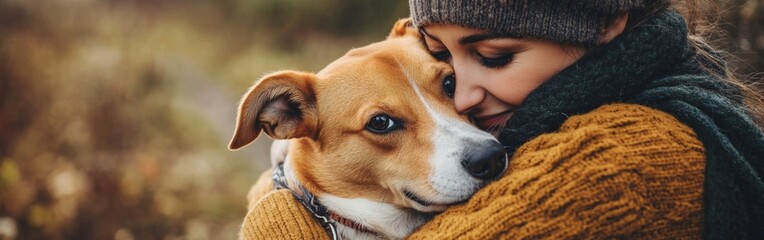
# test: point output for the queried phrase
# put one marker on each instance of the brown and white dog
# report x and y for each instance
(373, 136)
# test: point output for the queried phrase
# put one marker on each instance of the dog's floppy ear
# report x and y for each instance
(282, 104)
(402, 28)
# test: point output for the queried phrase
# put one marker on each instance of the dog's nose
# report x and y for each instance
(486, 163)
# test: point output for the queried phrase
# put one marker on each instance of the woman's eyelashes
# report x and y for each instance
(495, 62)
(488, 62)
(441, 55)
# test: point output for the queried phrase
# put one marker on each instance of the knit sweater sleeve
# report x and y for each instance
(620, 171)
(275, 214)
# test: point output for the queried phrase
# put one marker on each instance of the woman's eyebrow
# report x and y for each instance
(424, 32)
(467, 39)
(479, 37)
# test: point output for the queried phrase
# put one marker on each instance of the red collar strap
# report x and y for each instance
(350, 223)
(314, 206)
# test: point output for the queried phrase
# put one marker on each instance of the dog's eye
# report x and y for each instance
(381, 124)
(449, 85)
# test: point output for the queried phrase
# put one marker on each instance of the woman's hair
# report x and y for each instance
(702, 17)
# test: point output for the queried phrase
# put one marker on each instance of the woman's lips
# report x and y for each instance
(492, 121)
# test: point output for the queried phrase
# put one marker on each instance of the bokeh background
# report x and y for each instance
(115, 114)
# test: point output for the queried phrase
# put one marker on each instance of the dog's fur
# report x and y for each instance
(354, 172)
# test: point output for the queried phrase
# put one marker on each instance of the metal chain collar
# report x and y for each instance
(307, 200)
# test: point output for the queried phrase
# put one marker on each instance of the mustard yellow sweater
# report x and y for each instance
(620, 171)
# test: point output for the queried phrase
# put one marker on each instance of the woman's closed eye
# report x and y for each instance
(443, 55)
(496, 62)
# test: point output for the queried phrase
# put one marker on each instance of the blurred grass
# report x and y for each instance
(115, 114)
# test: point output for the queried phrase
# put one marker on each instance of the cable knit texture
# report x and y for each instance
(622, 171)
(277, 215)
(619, 171)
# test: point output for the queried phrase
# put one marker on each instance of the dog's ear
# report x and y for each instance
(402, 28)
(282, 104)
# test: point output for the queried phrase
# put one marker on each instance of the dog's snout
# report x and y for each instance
(486, 163)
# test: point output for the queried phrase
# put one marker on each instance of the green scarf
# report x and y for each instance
(654, 65)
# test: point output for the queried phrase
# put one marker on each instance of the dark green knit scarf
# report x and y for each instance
(654, 65)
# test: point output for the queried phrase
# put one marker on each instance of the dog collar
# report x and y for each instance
(315, 207)
(350, 223)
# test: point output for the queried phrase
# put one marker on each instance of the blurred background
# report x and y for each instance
(115, 115)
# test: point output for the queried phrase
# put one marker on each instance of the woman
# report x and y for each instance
(620, 122)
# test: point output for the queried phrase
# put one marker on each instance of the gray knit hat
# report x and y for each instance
(576, 22)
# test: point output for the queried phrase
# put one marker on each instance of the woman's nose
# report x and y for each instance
(468, 93)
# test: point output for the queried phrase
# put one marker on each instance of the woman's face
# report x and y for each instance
(494, 74)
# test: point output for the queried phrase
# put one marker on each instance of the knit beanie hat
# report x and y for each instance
(577, 22)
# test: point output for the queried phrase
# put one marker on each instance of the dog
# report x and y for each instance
(372, 137)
